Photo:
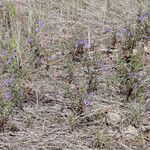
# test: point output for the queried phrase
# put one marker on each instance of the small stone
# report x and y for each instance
(131, 133)
(147, 48)
(113, 118)
(135, 51)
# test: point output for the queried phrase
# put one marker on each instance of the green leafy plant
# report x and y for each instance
(99, 139)
(72, 121)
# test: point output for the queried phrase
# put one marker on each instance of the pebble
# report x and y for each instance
(113, 118)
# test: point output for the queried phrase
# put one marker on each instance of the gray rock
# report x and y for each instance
(113, 118)
(130, 133)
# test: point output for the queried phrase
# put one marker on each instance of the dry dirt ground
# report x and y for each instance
(42, 123)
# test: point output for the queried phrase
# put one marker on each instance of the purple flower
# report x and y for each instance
(83, 43)
(137, 76)
(103, 66)
(11, 58)
(7, 96)
(128, 75)
(21, 92)
(133, 38)
(4, 53)
(117, 34)
(123, 30)
(37, 29)
(87, 102)
(129, 34)
(143, 17)
(134, 75)
(29, 40)
(7, 62)
(107, 29)
(146, 37)
(90, 94)
(42, 60)
(131, 75)
(41, 23)
(140, 76)
(6, 83)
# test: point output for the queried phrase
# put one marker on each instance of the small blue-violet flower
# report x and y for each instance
(128, 75)
(140, 76)
(37, 29)
(87, 102)
(129, 34)
(4, 53)
(6, 83)
(83, 43)
(91, 94)
(41, 23)
(7, 96)
(123, 30)
(107, 30)
(29, 40)
(143, 17)
(134, 75)
(11, 58)
(103, 66)
(21, 93)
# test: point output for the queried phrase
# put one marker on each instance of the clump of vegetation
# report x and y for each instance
(75, 87)
(15, 65)
(130, 61)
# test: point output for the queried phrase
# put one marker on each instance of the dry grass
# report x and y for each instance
(43, 124)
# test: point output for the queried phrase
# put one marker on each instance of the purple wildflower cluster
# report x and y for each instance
(5, 54)
(40, 25)
(8, 95)
(6, 83)
(37, 29)
(117, 34)
(146, 37)
(88, 100)
(138, 76)
(83, 43)
(123, 30)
